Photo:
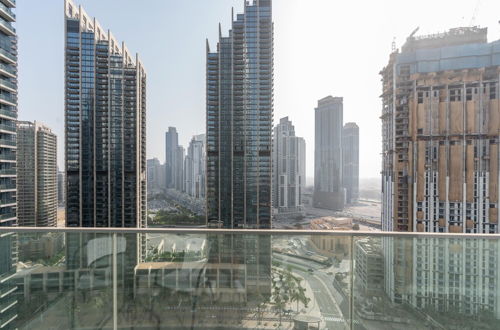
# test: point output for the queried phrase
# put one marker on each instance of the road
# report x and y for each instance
(333, 306)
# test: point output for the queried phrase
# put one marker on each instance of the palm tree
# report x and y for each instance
(299, 296)
(280, 293)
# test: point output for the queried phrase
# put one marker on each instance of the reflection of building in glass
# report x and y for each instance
(105, 116)
(330, 246)
(8, 289)
(36, 175)
(369, 268)
(39, 246)
(239, 121)
(328, 184)
(289, 169)
(445, 276)
(222, 282)
(200, 276)
(67, 284)
(440, 134)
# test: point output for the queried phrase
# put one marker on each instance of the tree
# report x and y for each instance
(287, 288)
(260, 306)
(280, 293)
(299, 295)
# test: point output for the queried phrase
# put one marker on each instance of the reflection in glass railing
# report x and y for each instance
(213, 280)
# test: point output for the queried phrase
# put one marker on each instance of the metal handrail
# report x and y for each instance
(343, 233)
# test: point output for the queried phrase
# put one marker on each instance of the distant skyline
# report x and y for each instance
(322, 48)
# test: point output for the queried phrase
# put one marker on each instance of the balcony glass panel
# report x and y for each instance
(206, 279)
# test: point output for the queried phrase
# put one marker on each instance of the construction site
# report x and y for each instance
(440, 124)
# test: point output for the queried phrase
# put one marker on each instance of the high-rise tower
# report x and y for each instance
(350, 162)
(440, 173)
(441, 127)
(36, 175)
(289, 168)
(328, 184)
(8, 118)
(239, 121)
(194, 167)
(105, 115)
(171, 144)
(8, 113)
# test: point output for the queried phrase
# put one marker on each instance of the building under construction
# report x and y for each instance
(440, 123)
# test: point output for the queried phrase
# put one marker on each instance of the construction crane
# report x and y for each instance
(474, 14)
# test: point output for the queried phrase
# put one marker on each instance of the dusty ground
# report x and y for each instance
(369, 210)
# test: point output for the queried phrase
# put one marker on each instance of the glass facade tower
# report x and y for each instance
(8, 146)
(105, 114)
(8, 113)
(239, 121)
(328, 180)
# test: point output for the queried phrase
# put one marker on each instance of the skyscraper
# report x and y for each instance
(328, 183)
(350, 168)
(8, 113)
(8, 117)
(194, 167)
(289, 168)
(36, 175)
(156, 176)
(61, 191)
(179, 169)
(105, 114)
(440, 123)
(440, 130)
(171, 144)
(239, 121)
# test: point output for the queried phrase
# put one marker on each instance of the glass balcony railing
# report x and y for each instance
(8, 11)
(7, 142)
(7, 68)
(8, 26)
(9, 156)
(7, 83)
(8, 98)
(216, 279)
(8, 128)
(8, 113)
(6, 216)
(8, 55)
(8, 171)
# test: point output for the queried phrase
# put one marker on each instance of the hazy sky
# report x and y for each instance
(322, 47)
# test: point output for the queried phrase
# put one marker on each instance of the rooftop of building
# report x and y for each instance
(370, 245)
(330, 100)
(457, 49)
(452, 37)
(36, 125)
(351, 125)
(88, 23)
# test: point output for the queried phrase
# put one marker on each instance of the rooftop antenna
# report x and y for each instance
(393, 46)
(474, 14)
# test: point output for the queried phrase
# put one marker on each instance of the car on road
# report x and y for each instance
(310, 270)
